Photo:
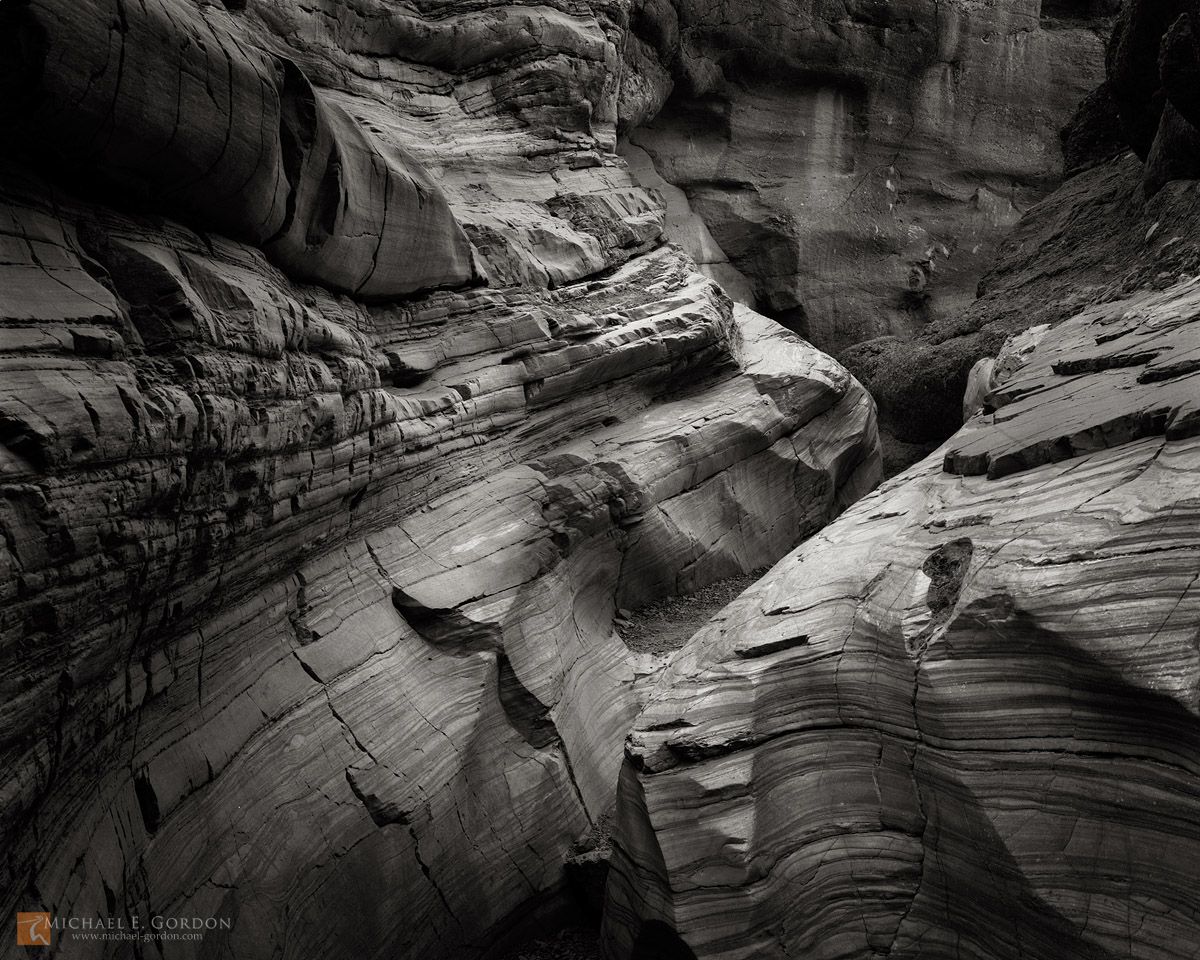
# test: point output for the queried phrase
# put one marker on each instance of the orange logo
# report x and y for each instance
(33, 929)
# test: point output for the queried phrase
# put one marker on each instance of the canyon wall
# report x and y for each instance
(963, 721)
(860, 162)
(1124, 220)
(351, 389)
(348, 391)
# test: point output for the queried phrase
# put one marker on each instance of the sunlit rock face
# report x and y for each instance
(963, 721)
(860, 162)
(312, 541)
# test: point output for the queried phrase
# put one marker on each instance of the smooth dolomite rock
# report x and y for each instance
(308, 603)
(348, 390)
(230, 135)
(964, 719)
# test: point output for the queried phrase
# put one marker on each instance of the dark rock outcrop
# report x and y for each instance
(1094, 134)
(1153, 69)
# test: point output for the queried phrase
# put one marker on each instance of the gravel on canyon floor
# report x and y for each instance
(662, 626)
(570, 943)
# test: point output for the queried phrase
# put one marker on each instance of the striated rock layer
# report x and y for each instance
(860, 162)
(963, 721)
(309, 567)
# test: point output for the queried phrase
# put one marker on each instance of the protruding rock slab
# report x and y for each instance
(964, 719)
(1111, 375)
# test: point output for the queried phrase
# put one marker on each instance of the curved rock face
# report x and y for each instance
(308, 591)
(229, 135)
(860, 162)
(964, 720)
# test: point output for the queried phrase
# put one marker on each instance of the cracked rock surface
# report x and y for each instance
(312, 542)
(964, 719)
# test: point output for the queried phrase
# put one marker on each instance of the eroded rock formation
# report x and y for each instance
(964, 719)
(309, 568)
(860, 162)
(1125, 221)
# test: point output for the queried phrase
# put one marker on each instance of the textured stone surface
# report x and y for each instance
(861, 162)
(1125, 222)
(1095, 240)
(964, 719)
(1094, 134)
(229, 135)
(361, 566)
(307, 589)
(1153, 68)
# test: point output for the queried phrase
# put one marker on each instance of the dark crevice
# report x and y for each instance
(448, 629)
(147, 801)
(525, 712)
(297, 133)
(657, 941)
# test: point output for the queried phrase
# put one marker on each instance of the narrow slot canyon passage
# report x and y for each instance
(644, 480)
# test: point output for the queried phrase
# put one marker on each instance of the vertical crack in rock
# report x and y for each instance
(121, 25)
(944, 571)
(412, 831)
(928, 844)
(385, 210)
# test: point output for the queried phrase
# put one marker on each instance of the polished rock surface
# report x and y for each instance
(964, 719)
(312, 540)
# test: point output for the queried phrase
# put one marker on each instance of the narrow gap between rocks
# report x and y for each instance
(659, 628)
